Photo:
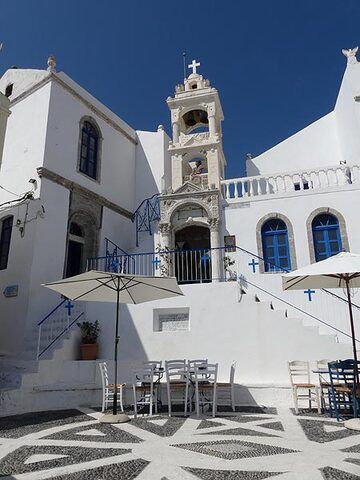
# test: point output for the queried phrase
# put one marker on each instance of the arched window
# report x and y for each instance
(326, 236)
(275, 245)
(6, 228)
(89, 150)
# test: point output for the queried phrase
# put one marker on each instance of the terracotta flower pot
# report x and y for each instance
(88, 351)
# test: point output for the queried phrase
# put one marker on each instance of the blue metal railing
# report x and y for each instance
(147, 212)
(41, 352)
(55, 324)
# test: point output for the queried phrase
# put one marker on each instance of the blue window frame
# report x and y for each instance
(89, 150)
(326, 235)
(275, 244)
(6, 228)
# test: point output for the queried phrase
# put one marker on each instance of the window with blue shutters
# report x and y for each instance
(326, 236)
(89, 150)
(275, 244)
(5, 237)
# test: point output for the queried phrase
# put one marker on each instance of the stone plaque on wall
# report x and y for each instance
(171, 320)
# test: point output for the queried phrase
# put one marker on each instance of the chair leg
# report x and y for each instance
(318, 399)
(169, 399)
(214, 401)
(103, 400)
(197, 401)
(121, 398)
(296, 400)
(135, 402)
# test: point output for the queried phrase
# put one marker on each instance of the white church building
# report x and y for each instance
(81, 189)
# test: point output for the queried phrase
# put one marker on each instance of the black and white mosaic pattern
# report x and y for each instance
(251, 445)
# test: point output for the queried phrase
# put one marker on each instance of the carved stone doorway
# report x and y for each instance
(193, 255)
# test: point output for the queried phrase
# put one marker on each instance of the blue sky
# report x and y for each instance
(277, 64)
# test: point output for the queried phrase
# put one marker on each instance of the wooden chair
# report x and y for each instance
(205, 387)
(143, 383)
(177, 380)
(324, 383)
(344, 395)
(224, 387)
(108, 389)
(299, 372)
(197, 363)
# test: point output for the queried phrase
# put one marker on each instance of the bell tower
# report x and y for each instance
(196, 117)
(190, 205)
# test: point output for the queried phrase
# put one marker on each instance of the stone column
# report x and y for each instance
(4, 113)
(165, 241)
(212, 125)
(176, 132)
(216, 255)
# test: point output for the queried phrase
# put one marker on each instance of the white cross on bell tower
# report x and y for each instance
(193, 65)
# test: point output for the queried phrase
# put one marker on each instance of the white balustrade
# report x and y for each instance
(287, 182)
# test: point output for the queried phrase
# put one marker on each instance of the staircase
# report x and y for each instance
(53, 337)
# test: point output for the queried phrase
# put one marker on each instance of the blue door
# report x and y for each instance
(275, 246)
(326, 235)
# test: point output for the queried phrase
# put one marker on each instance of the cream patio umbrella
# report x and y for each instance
(339, 271)
(96, 286)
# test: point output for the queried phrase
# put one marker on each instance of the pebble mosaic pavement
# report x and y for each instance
(251, 445)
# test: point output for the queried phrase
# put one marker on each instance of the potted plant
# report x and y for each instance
(89, 334)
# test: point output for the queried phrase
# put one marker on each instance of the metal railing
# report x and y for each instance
(147, 212)
(188, 266)
(57, 323)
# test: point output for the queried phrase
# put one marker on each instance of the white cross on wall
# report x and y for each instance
(193, 65)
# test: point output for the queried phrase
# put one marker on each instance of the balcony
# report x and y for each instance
(236, 189)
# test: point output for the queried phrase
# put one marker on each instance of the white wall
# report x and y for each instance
(13, 310)
(24, 143)
(4, 113)
(117, 175)
(347, 112)
(315, 146)
(222, 329)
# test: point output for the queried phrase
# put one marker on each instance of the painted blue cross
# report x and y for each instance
(253, 265)
(309, 293)
(69, 306)
(205, 258)
(156, 262)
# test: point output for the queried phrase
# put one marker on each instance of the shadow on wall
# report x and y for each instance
(131, 352)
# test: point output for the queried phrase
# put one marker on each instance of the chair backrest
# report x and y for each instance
(206, 373)
(323, 364)
(176, 370)
(196, 363)
(342, 372)
(104, 374)
(153, 363)
(299, 371)
(232, 373)
(145, 375)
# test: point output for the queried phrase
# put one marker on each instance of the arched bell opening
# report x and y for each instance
(196, 121)
(192, 260)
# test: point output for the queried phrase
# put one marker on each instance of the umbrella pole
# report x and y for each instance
(116, 349)
(353, 336)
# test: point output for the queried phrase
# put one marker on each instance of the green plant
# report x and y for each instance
(89, 331)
